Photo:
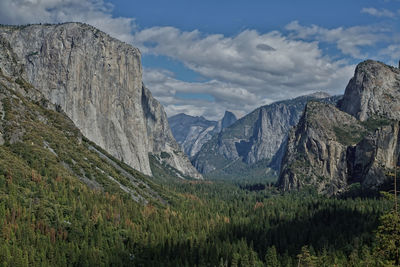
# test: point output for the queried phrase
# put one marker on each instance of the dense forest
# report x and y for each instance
(59, 221)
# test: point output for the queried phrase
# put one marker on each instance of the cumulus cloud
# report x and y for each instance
(348, 40)
(378, 12)
(168, 89)
(93, 12)
(393, 51)
(244, 71)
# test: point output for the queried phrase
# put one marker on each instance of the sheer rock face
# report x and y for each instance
(162, 139)
(228, 119)
(193, 132)
(375, 156)
(97, 81)
(315, 155)
(374, 90)
(255, 137)
(332, 148)
(270, 129)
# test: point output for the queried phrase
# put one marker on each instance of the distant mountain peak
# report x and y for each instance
(319, 94)
(228, 119)
(254, 138)
(192, 132)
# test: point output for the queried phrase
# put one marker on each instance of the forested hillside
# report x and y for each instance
(62, 222)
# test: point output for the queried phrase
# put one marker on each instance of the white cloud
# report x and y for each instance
(238, 60)
(378, 12)
(393, 51)
(93, 12)
(242, 76)
(225, 96)
(348, 40)
(242, 71)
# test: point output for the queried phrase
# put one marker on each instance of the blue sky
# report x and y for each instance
(205, 57)
(230, 16)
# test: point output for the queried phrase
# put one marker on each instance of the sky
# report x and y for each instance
(204, 57)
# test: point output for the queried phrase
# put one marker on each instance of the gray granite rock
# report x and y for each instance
(254, 137)
(358, 142)
(193, 132)
(316, 153)
(374, 90)
(97, 81)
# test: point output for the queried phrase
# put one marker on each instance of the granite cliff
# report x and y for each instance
(97, 81)
(356, 141)
(373, 91)
(193, 132)
(254, 142)
(39, 143)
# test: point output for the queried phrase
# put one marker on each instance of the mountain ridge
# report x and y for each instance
(255, 137)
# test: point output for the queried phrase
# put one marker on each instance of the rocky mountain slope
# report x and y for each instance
(357, 141)
(193, 132)
(97, 81)
(38, 142)
(254, 141)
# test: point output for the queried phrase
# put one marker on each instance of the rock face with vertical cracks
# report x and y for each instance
(355, 142)
(255, 138)
(97, 81)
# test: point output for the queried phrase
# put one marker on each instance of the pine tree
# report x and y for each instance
(271, 257)
(305, 258)
(388, 239)
(235, 259)
(222, 263)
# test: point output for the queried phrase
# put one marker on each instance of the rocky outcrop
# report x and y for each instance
(193, 132)
(97, 81)
(373, 91)
(372, 159)
(332, 148)
(316, 150)
(255, 137)
(226, 121)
